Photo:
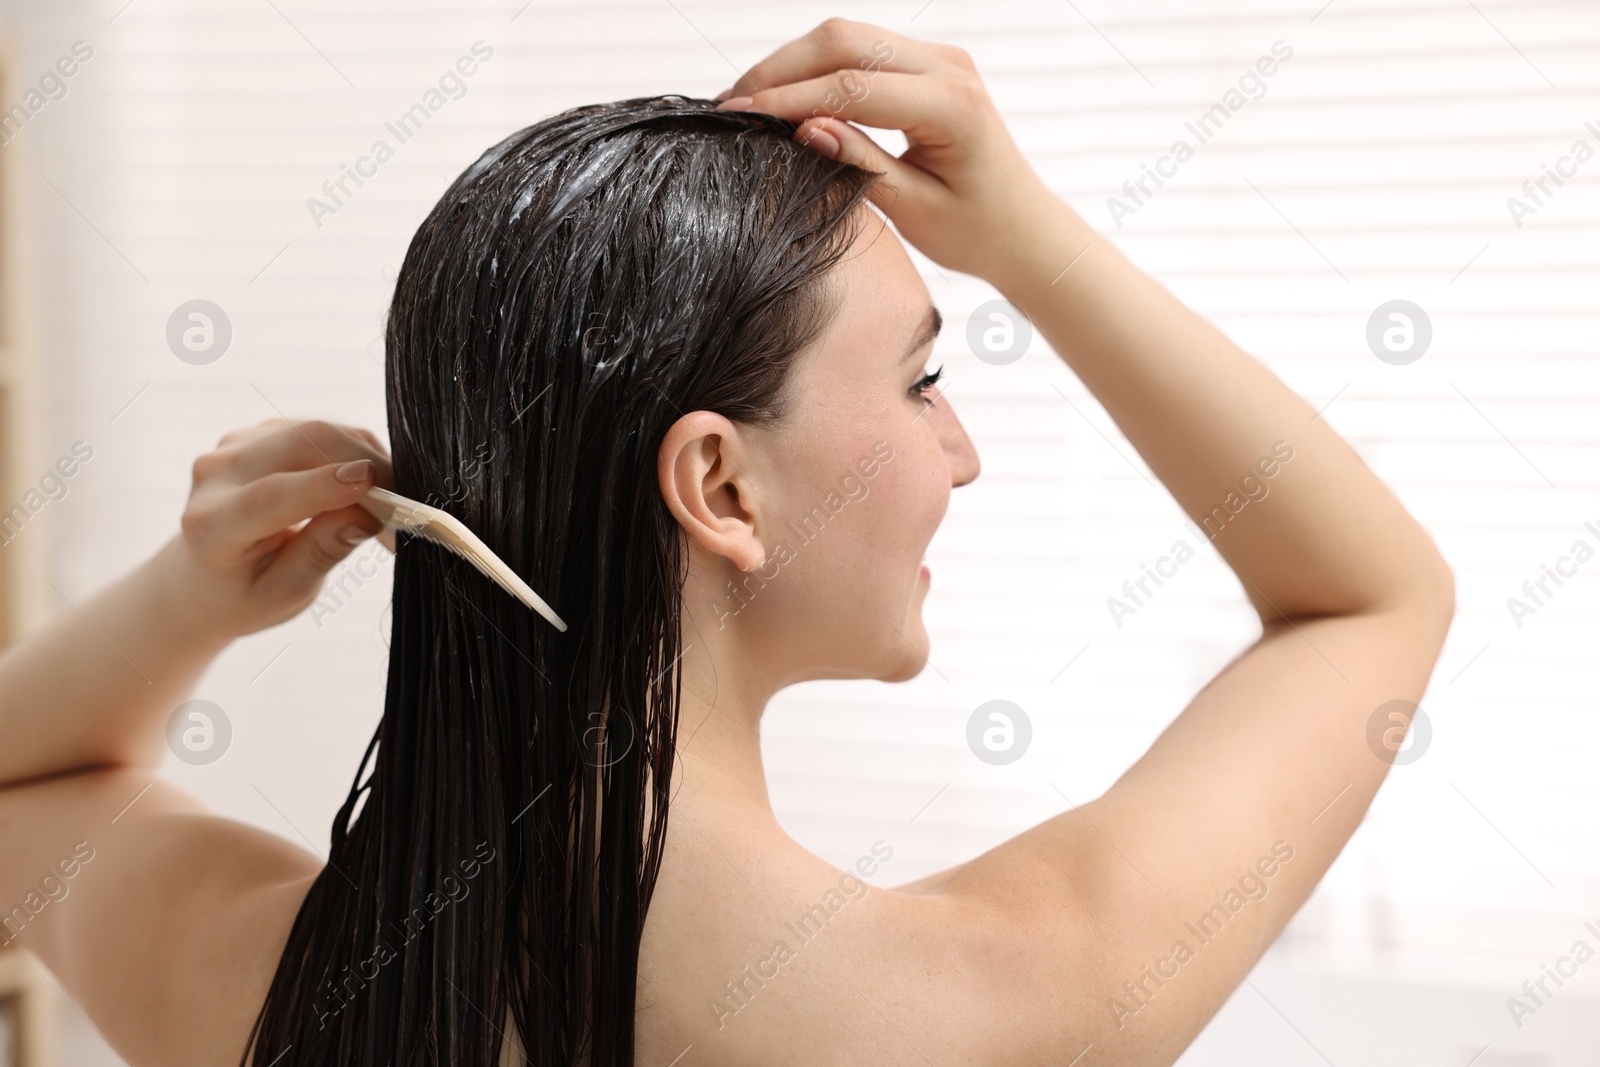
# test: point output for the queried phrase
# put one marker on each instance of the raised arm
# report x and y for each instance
(1218, 428)
(1227, 823)
(1157, 898)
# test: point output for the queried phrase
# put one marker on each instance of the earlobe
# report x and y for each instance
(700, 471)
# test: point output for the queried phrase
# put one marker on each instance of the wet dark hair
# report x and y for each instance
(584, 284)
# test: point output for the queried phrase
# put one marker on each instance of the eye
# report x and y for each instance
(927, 382)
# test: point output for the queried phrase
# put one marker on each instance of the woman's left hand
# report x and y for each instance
(962, 192)
(272, 509)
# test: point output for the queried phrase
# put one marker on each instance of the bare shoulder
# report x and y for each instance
(768, 954)
(1011, 959)
(968, 973)
(162, 920)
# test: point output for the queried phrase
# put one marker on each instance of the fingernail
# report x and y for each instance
(736, 103)
(353, 534)
(823, 142)
(354, 472)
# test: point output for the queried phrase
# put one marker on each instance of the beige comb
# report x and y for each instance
(397, 512)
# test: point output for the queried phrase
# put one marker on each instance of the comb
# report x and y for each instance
(397, 512)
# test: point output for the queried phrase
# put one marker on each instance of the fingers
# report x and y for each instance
(844, 143)
(280, 445)
(836, 44)
(261, 429)
(369, 437)
(225, 524)
(313, 551)
(932, 111)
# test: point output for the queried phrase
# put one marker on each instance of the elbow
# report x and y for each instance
(1447, 589)
(1432, 592)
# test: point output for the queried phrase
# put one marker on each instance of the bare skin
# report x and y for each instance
(171, 932)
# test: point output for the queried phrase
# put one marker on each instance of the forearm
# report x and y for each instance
(1323, 535)
(95, 686)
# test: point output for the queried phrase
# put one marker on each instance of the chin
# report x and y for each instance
(885, 654)
(906, 673)
(898, 664)
(913, 658)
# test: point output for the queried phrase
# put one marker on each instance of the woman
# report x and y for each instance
(631, 346)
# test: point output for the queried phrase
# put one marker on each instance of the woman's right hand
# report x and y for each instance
(962, 192)
(272, 509)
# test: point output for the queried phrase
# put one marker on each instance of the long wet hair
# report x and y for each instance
(584, 284)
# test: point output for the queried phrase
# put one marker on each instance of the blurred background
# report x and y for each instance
(1394, 205)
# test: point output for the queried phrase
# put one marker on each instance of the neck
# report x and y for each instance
(719, 726)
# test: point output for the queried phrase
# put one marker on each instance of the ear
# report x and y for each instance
(703, 469)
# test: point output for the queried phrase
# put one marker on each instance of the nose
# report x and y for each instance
(958, 448)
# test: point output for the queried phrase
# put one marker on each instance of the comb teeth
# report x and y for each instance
(430, 533)
(441, 528)
(410, 518)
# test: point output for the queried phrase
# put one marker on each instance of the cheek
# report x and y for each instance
(889, 473)
(932, 488)
(909, 495)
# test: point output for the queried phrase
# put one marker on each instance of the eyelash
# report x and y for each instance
(926, 382)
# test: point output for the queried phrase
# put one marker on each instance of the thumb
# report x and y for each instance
(844, 143)
(316, 548)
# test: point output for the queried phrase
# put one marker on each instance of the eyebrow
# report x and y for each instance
(929, 329)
